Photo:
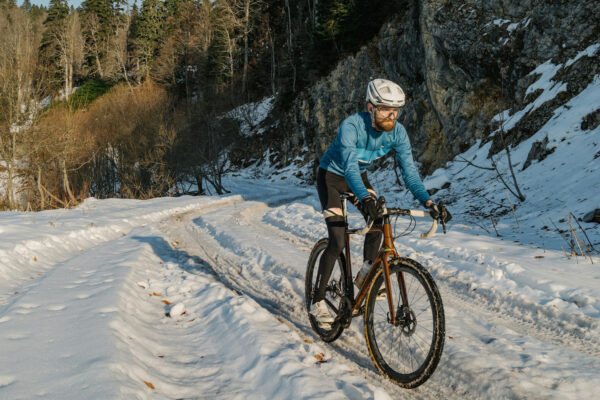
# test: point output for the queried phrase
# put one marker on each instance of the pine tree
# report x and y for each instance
(98, 25)
(147, 32)
(26, 5)
(54, 28)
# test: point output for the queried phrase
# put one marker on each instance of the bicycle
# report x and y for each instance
(405, 340)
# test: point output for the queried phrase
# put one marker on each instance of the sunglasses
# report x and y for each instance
(388, 111)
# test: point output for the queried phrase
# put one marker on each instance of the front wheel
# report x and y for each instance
(334, 293)
(409, 351)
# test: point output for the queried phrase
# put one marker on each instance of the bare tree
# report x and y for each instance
(226, 24)
(514, 190)
(94, 43)
(249, 7)
(117, 53)
(290, 47)
(70, 49)
(19, 92)
(273, 65)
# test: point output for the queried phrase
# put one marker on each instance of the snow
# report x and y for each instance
(252, 115)
(588, 52)
(500, 21)
(203, 297)
(545, 83)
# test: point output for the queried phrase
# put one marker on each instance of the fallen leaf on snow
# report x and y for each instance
(280, 320)
(34, 258)
(156, 294)
(539, 257)
(161, 356)
(167, 302)
(151, 386)
(307, 341)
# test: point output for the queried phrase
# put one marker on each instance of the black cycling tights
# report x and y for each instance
(335, 229)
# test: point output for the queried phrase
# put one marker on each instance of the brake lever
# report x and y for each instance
(442, 216)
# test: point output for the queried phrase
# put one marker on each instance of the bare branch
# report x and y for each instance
(462, 159)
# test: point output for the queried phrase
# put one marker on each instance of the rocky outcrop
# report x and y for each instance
(460, 65)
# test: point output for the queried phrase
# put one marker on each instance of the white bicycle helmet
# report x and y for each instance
(381, 92)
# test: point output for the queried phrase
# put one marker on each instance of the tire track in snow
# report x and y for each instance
(271, 291)
(224, 253)
(545, 323)
(21, 269)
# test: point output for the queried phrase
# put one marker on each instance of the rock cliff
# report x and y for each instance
(461, 66)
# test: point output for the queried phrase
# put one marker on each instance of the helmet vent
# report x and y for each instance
(386, 90)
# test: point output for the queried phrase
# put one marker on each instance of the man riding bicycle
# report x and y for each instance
(361, 139)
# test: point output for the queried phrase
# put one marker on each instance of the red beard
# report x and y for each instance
(385, 124)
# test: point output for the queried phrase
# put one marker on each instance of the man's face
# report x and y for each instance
(384, 118)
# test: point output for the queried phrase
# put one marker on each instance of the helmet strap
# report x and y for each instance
(372, 113)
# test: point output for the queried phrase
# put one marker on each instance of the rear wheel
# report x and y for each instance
(334, 294)
(409, 351)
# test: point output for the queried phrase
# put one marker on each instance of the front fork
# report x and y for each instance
(390, 251)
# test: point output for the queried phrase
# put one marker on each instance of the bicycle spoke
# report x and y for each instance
(330, 304)
(419, 299)
(405, 347)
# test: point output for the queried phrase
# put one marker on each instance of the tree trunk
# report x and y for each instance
(272, 45)
(246, 29)
(66, 185)
(290, 43)
(230, 54)
(9, 185)
(66, 71)
(99, 65)
(39, 186)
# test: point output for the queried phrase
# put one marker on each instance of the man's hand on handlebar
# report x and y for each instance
(369, 207)
(440, 212)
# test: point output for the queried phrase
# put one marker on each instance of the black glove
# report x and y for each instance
(369, 207)
(434, 211)
(440, 212)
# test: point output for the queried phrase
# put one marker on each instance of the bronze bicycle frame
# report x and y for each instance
(387, 250)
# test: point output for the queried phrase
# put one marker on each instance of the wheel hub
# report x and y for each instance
(405, 320)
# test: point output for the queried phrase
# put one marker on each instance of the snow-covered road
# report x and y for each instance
(203, 298)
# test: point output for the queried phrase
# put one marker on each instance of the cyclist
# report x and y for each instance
(362, 138)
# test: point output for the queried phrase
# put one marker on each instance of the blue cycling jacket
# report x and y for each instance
(357, 145)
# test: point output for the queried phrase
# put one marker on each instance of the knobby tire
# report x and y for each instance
(388, 346)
